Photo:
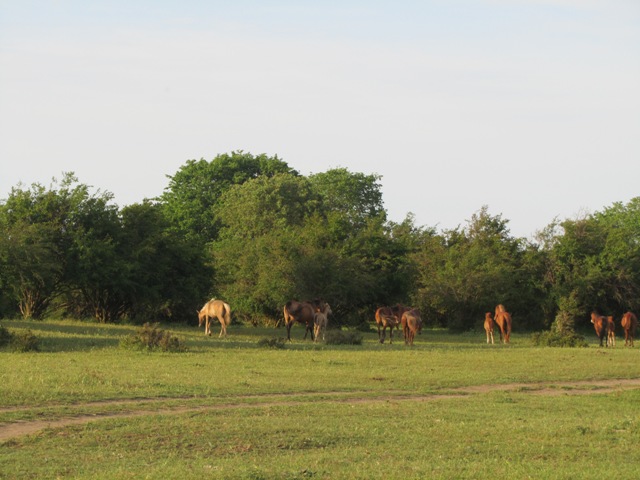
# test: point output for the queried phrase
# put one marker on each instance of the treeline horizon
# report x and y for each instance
(254, 231)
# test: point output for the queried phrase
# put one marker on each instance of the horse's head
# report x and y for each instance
(200, 317)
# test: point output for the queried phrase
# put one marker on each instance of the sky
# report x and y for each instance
(528, 107)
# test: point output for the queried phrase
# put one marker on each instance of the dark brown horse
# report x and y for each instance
(411, 324)
(629, 323)
(503, 320)
(611, 332)
(302, 312)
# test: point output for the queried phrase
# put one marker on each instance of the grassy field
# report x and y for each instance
(450, 407)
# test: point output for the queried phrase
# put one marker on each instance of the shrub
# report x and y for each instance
(150, 337)
(557, 339)
(5, 336)
(275, 342)
(338, 337)
(24, 342)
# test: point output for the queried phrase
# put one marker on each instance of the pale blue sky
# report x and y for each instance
(531, 107)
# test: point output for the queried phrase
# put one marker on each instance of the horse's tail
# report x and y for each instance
(227, 314)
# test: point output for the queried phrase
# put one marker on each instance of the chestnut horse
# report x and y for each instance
(411, 324)
(215, 309)
(320, 321)
(385, 317)
(611, 332)
(503, 319)
(488, 326)
(600, 324)
(302, 312)
(629, 323)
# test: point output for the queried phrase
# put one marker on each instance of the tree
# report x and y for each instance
(354, 197)
(36, 225)
(194, 190)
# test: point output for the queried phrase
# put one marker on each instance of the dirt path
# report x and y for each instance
(17, 429)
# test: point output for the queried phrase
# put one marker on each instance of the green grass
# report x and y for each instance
(313, 411)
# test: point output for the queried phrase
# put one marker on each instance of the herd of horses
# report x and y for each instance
(314, 315)
(606, 327)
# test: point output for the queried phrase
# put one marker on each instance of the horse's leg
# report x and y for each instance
(223, 327)
(288, 325)
(207, 326)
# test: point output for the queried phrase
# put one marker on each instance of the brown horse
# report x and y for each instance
(398, 309)
(320, 321)
(411, 324)
(611, 332)
(600, 325)
(385, 317)
(488, 326)
(215, 309)
(629, 323)
(503, 320)
(302, 312)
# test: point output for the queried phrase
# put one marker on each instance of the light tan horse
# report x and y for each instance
(629, 323)
(320, 321)
(503, 320)
(411, 324)
(215, 309)
(488, 326)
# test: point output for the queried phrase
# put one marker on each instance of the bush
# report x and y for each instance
(338, 337)
(557, 339)
(275, 342)
(5, 336)
(150, 337)
(24, 342)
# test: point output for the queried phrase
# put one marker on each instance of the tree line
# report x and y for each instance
(254, 231)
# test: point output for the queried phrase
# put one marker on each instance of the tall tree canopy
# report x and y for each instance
(196, 188)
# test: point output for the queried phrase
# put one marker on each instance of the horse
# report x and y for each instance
(411, 324)
(320, 321)
(503, 319)
(600, 325)
(215, 309)
(385, 317)
(488, 326)
(611, 332)
(398, 309)
(301, 312)
(629, 323)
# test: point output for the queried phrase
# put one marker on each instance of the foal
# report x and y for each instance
(488, 326)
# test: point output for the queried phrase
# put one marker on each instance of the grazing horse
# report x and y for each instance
(398, 309)
(385, 317)
(629, 323)
(600, 325)
(503, 319)
(320, 321)
(411, 324)
(301, 312)
(611, 332)
(488, 326)
(215, 309)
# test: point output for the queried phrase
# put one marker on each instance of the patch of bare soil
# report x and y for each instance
(17, 429)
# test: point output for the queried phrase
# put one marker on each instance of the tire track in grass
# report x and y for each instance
(13, 430)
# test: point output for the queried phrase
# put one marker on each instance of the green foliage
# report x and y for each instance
(277, 343)
(149, 337)
(558, 339)
(196, 188)
(5, 336)
(23, 341)
(339, 337)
